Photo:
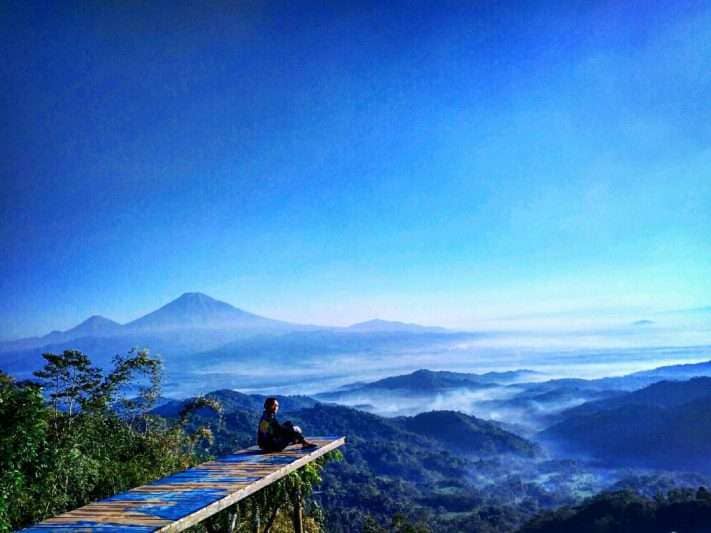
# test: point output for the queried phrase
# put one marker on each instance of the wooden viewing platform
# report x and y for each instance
(177, 502)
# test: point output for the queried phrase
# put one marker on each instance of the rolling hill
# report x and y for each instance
(427, 382)
(666, 425)
(467, 434)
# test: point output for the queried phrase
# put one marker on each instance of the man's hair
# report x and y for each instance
(269, 402)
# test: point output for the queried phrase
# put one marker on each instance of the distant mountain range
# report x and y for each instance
(197, 311)
(427, 382)
(676, 372)
(628, 382)
(198, 330)
(518, 399)
(191, 311)
(543, 403)
(532, 386)
(391, 326)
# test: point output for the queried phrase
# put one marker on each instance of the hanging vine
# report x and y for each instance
(273, 508)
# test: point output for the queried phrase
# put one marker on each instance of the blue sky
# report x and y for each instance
(324, 163)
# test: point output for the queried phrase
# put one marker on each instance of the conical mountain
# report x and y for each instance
(96, 326)
(194, 310)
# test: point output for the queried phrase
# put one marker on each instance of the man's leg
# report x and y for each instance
(293, 433)
(296, 436)
(277, 443)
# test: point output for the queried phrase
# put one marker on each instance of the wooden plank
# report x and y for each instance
(176, 502)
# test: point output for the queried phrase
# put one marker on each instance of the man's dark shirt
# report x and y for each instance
(269, 431)
(273, 436)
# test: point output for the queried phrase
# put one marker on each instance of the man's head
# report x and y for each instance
(271, 405)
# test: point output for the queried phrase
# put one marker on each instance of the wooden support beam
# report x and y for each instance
(233, 519)
(298, 516)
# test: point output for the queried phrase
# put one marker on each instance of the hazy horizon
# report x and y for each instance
(553, 326)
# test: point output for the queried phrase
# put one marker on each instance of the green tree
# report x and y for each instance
(24, 420)
(89, 441)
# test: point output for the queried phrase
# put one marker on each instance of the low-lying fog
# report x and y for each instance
(524, 408)
(597, 350)
(329, 371)
(589, 355)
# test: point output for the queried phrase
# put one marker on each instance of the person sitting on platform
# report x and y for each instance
(273, 436)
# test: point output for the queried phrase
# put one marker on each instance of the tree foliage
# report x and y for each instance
(89, 440)
(684, 510)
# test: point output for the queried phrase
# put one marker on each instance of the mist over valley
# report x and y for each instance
(444, 419)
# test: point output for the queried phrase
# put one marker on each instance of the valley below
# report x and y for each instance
(451, 430)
